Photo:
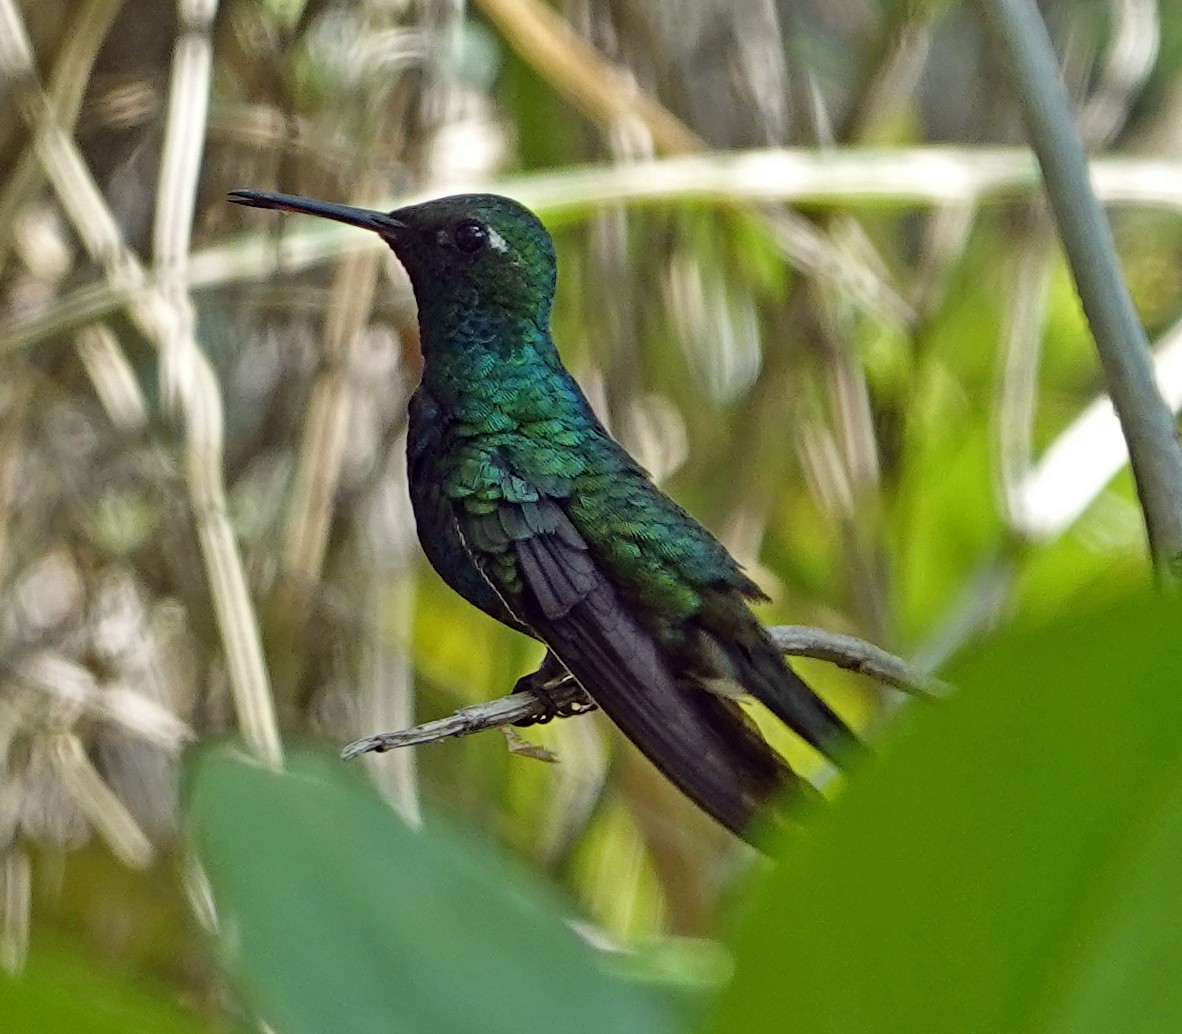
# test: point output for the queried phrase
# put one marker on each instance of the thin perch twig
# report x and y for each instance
(846, 651)
(857, 655)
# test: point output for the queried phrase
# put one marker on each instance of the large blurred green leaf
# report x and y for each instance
(1011, 864)
(338, 917)
(62, 992)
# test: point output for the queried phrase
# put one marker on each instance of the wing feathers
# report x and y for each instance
(530, 551)
(558, 580)
(703, 744)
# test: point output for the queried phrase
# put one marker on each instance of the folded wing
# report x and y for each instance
(702, 742)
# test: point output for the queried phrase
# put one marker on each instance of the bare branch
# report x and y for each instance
(845, 651)
(493, 714)
(857, 655)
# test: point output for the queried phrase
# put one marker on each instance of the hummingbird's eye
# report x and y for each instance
(470, 236)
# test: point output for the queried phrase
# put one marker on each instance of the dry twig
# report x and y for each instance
(846, 651)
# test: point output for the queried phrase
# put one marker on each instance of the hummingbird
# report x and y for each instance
(530, 510)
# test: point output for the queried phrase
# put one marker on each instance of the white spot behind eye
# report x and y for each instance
(496, 241)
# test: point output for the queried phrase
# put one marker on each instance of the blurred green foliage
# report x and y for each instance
(341, 918)
(1009, 864)
(61, 991)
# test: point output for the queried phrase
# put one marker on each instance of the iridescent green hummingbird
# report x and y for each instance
(529, 509)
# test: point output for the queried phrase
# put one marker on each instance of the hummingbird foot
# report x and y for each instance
(542, 683)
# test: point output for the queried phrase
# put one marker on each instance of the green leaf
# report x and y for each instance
(61, 991)
(1011, 863)
(335, 916)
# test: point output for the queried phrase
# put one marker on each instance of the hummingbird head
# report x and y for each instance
(479, 260)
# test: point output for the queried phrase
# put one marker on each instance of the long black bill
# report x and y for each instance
(363, 217)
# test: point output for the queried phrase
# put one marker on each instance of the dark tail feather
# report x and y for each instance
(768, 677)
(695, 738)
(701, 742)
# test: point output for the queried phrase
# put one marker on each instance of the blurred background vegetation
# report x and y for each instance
(805, 275)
